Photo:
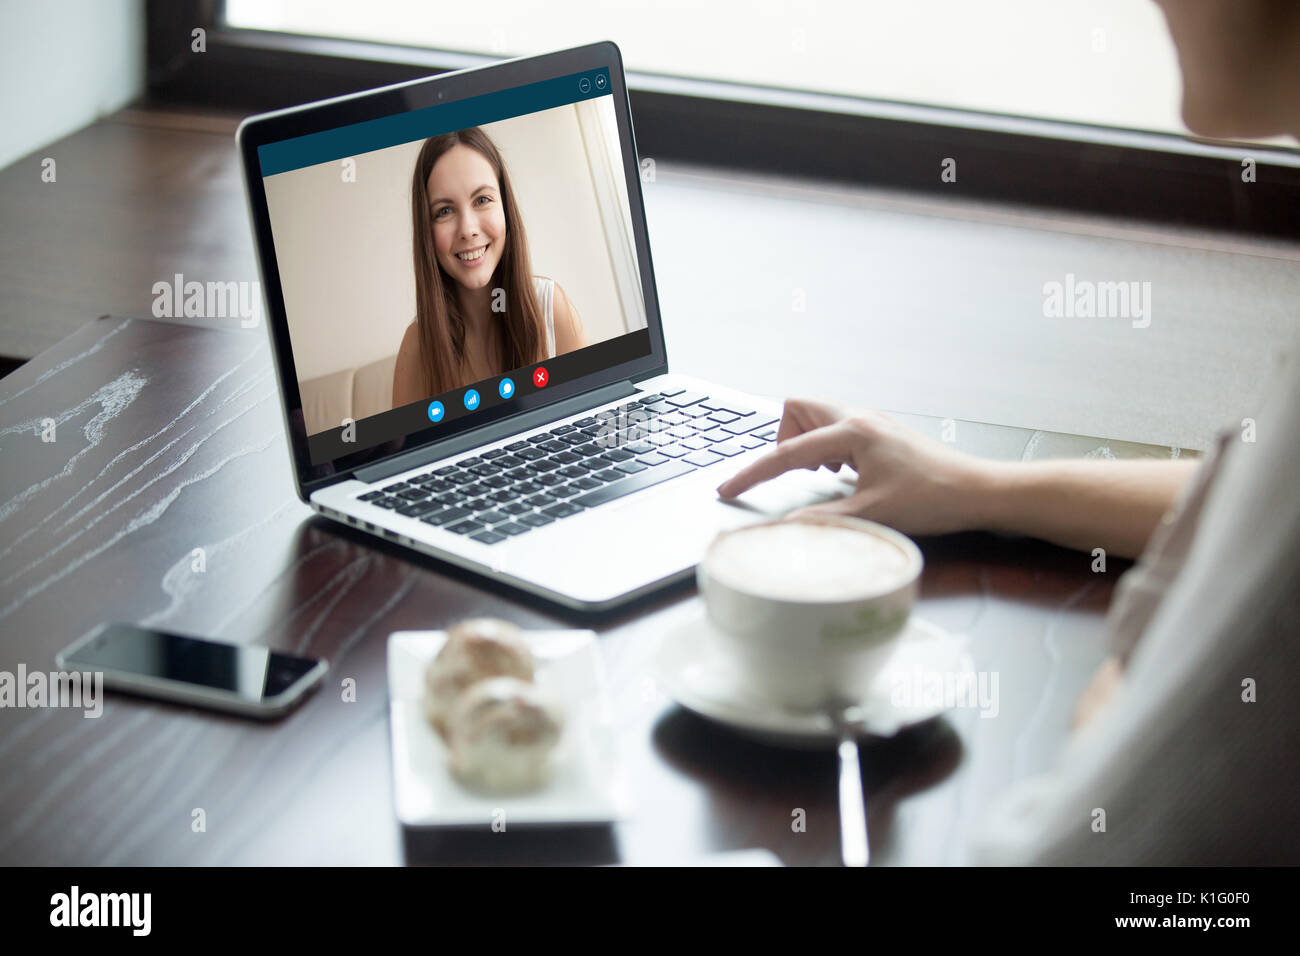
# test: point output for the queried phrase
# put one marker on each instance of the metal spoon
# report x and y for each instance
(848, 720)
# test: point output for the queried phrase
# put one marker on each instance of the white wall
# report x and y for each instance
(64, 64)
(344, 248)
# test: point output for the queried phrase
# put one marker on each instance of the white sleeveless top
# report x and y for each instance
(546, 298)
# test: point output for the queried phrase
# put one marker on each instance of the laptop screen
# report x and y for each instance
(443, 263)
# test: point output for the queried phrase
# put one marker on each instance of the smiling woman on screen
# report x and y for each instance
(480, 311)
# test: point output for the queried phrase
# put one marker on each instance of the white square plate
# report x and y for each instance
(585, 786)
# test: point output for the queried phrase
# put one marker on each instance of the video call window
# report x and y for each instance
(420, 269)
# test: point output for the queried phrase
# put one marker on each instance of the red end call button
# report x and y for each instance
(540, 378)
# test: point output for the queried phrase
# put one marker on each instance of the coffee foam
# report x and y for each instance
(807, 561)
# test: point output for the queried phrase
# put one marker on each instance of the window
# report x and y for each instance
(1103, 62)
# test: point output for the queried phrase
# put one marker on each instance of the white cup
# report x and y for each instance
(803, 652)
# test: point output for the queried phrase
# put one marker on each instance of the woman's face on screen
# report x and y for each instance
(469, 222)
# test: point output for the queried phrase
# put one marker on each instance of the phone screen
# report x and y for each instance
(252, 673)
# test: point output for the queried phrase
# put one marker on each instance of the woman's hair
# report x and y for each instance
(439, 322)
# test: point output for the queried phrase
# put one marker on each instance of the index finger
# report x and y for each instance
(810, 450)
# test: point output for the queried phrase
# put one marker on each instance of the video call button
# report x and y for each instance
(436, 411)
(471, 399)
(507, 388)
(540, 377)
(584, 85)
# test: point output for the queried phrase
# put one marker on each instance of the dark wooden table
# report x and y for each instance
(168, 438)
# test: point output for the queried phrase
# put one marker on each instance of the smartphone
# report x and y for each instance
(237, 678)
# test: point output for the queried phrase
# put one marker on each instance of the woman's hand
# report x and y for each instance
(905, 480)
(920, 486)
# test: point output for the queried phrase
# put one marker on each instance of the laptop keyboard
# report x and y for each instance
(509, 491)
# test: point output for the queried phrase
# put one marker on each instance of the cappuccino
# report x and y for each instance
(808, 560)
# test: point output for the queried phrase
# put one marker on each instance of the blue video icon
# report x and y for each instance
(436, 411)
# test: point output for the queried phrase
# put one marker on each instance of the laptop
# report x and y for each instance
(463, 318)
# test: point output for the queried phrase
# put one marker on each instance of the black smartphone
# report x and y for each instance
(238, 678)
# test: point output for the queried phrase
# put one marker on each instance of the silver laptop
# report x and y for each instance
(467, 337)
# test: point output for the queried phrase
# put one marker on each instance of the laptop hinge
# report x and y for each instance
(490, 433)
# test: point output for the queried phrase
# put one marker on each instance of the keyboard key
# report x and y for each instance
(488, 537)
(575, 438)
(683, 431)
(530, 454)
(738, 410)
(631, 467)
(494, 453)
(512, 528)
(470, 462)
(584, 422)
(447, 514)
(371, 496)
(491, 517)
(505, 494)
(465, 527)
(697, 442)
(446, 469)
(535, 520)
(527, 488)
(461, 478)
(723, 418)
(478, 504)
(660, 438)
(539, 439)
(435, 485)
(388, 501)
(695, 411)
(586, 484)
(562, 430)
(609, 475)
(449, 498)
(541, 501)
(475, 489)
(685, 398)
(674, 451)
(701, 458)
(564, 508)
(639, 447)
(417, 508)
(572, 471)
(653, 458)
(634, 483)
(498, 481)
(728, 448)
(550, 481)
(410, 494)
(752, 441)
(749, 423)
(510, 461)
(564, 458)
(667, 392)
(545, 466)
(651, 397)
(519, 474)
(485, 470)
(617, 454)
(553, 445)
(716, 434)
(768, 434)
(515, 508)
(564, 491)
(517, 446)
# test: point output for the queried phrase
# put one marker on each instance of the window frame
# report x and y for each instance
(1148, 176)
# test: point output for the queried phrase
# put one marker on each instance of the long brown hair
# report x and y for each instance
(439, 321)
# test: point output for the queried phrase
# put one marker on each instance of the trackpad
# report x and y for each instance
(791, 491)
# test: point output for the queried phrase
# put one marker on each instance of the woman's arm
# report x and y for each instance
(569, 333)
(406, 371)
(920, 486)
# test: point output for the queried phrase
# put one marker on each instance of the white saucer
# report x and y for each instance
(691, 670)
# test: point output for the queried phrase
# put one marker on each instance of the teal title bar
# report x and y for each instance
(329, 145)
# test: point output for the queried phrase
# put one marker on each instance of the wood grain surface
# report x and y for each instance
(168, 438)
